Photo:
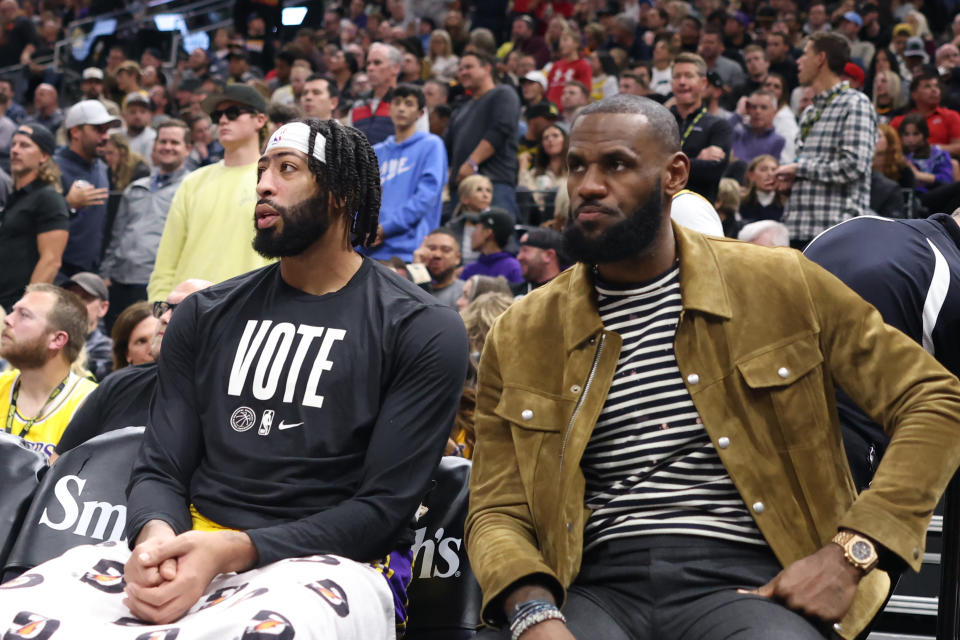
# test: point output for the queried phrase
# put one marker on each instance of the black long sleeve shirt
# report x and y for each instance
(313, 423)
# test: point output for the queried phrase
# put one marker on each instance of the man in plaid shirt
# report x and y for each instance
(830, 181)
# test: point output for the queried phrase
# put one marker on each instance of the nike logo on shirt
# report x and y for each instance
(284, 425)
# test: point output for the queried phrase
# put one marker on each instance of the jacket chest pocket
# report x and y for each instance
(787, 386)
(538, 422)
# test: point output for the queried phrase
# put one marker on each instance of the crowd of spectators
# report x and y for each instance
(142, 175)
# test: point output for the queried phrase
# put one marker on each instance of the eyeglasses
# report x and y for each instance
(232, 113)
(161, 307)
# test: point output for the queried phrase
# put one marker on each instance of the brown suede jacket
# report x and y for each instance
(764, 336)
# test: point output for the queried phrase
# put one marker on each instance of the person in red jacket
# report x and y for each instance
(569, 67)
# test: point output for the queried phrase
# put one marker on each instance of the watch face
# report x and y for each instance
(861, 551)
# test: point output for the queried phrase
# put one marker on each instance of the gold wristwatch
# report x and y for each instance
(858, 550)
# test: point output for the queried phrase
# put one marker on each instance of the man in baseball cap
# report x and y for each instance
(92, 291)
(491, 235)
(85, 182)
(208, 233)
(541, 258)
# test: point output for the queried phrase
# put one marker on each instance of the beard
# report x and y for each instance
(302, 225)
(623, 240)
(26, 355)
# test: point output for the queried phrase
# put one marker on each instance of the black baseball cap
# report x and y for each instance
(543, 109)
(237, 92)
(500, 222)
(543, 238)
(40, 135)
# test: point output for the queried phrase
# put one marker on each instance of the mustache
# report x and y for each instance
(595, 206)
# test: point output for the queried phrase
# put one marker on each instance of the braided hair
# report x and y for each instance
(351, 175)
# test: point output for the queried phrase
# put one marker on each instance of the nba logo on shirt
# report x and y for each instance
(266, 422)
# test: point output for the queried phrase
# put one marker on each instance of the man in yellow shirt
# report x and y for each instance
(41, 337)
(208, 233)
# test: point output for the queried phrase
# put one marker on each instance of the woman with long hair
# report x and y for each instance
(931, 166)
(549, 164)
(123, 167)
(131, 334)
(443, 62)
(887, 95)
(604, 83)
(888, 157)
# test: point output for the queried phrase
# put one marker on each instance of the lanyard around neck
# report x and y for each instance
(693, 123)
(11, 412)
(808, 124)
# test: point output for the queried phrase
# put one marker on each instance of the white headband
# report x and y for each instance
(296, 135)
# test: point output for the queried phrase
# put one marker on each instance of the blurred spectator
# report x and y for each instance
(476, 286)
(781, 59)
(853, 75)
(888, 157)
(320, 97)
(478, 316)
(123, 167)
(623, 35)
(711, 49)
(372, 116)
(547, 167)
(42, 337)
(914, 56)
(943, 124)
(92, 291)
(7, 127)
(341, 67)
(439, 118)
(436, 92)
(293, 92)
(575, 97)
(206, 150)
(705, 138)
(85, 182)
(727, 206)
(208, 232)
(482, 40)
(11, 109)
(830, 181)
(887, 97)
(19, 33)
(947, 58)
(491, 234)
(533, 88)
(440, 253)
(523, 38)
(569, 67)
(443, 62)
(753, 132)
(932, 169)
(413, 172)
(713, 95)
(45, 109)
(540, 257)
(131, 335)
(35, 219)
(474, 195)
(128, 77)
(762, 201)
(238, 67)
(131, 249)
(758, 68)
(160, 101)
(817, 19)
(784, 122)
(661, 73)
(482, 134)
(849, 28)
(137, 115)
(604, 71)
(766, 233)
(538, 116)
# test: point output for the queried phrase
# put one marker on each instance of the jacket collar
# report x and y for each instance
(702, 288)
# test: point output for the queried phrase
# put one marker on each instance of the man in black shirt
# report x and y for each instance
(304, 405)
(35, 222)
(122, 399)
(705, 138)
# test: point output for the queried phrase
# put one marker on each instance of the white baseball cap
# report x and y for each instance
(536, 76)
(92, 73)
(89, 112)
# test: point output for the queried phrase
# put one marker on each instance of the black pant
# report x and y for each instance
(677, 588)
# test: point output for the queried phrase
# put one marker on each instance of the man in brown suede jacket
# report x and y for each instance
(658, 454)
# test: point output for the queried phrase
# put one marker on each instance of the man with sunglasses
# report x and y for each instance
(85, 183)
(207, 233)
(123, 398)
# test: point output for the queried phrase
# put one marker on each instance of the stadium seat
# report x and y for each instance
(20, 472)
(444, 594)
(80, 501)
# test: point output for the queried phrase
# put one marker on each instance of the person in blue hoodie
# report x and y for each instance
(413, 171)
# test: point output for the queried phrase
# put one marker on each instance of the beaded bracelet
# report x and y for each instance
(534, 617)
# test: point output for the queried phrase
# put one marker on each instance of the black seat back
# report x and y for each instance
(80, 501)
(20, 471)
(444, 594)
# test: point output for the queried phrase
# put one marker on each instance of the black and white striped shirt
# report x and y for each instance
(650, 466)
